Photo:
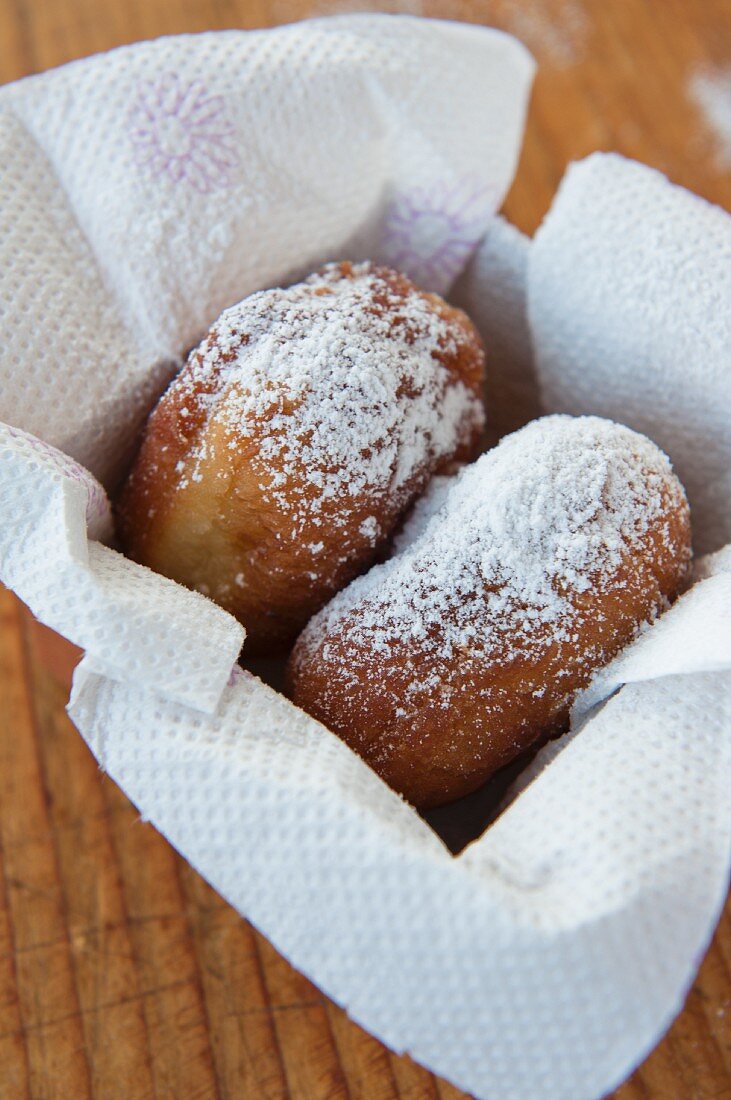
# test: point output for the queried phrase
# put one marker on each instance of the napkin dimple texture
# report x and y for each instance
(540, 961)
(60, 323)
(193, 131)
(549, 957)
(150, 187)
(177, 176)
(492, 291)
(629, 285)
(121, 613)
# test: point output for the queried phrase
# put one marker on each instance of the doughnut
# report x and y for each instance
(276, 465)
(524, 574)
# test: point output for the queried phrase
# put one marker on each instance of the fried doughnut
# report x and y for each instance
(283, 454)
(532, 569)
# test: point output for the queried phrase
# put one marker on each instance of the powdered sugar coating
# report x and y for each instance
(342, 374)
(425, 508)
(528, 569)
(290, 444)
(569, 499)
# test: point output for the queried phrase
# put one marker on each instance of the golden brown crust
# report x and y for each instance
(270, 473)
(438, 684)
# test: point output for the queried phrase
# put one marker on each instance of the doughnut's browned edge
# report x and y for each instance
(201, 535)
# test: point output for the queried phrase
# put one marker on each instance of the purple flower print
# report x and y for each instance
(181, 131)
(430, 232)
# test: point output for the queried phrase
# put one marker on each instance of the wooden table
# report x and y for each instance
(122, 974)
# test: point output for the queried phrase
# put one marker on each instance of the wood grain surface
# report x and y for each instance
(122, 974)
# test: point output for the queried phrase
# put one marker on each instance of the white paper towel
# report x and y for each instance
(145, 190)
(629, 296)
(544, 961)
(60, 320)
(132, 623)
(548, 958)
(492, 290)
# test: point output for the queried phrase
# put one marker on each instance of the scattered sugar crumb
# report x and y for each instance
(554, 30)
(710, 90)
(369, 528)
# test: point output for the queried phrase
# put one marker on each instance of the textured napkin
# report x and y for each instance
(629, 295)
(145, 190)
(176, 176)
(132, 623)
(543, 962)
(493, 291)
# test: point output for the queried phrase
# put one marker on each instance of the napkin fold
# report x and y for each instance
(153, 186)
(493, 292)
(544, 961)
(143, 191)
(134, 624)
(629, 286)
(147, 189)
